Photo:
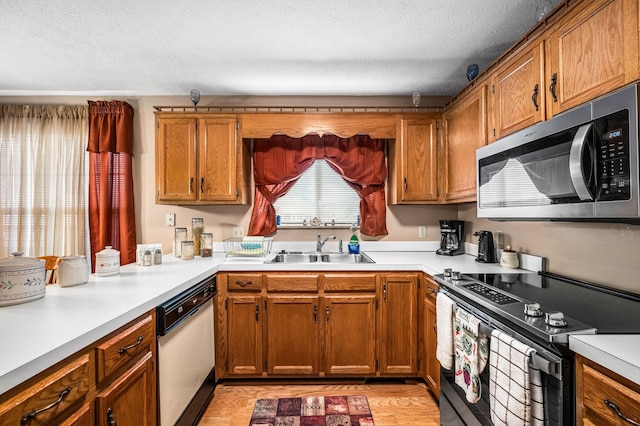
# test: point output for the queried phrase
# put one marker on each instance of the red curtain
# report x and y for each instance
(111, 206)
(280, 160)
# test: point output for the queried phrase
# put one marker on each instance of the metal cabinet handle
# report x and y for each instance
(384, 293)
(190, 185)
(552, 87)
(244, 283)
(137, 343)
(615, 408)
(111, 421)
(33, 413)
(257, 313)
(435, 327)
(405, 184)
(534, 97)
(201, 184)
(327, 314)
(315, 314)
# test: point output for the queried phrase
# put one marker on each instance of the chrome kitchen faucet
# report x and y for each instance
(320, 242)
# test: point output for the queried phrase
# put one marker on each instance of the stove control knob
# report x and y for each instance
(455, 275)
(447, 273)
(532, 310)
(555, 319)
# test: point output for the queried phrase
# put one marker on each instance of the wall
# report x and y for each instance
(598, 252)
(402, 221)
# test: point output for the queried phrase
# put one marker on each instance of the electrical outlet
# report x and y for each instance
(422, 232)
(171, 219)
(499, 237)
(238, 231)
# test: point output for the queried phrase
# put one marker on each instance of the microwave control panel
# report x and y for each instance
(613, 164)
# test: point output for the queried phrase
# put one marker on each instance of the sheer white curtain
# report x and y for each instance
(43, 180)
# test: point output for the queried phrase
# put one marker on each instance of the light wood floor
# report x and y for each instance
(391, 404)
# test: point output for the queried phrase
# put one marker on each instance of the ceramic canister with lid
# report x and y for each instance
(509, 258)
(22, 279)
(107, 262)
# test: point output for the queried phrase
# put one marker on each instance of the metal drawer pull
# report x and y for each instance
(244, 283)
(126, 348)
(33, 413)
(615, 408)
(111, 421)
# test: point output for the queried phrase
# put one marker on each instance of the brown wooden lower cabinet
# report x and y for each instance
(76, 391)
(431, 365)
(313, 324)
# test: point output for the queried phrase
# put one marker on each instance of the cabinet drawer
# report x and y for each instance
(599, 387)
(292, 282)
(244, 282)
(125, 347)
(68, 385)
(349, 282)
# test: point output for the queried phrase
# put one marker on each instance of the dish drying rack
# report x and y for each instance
(247, 246)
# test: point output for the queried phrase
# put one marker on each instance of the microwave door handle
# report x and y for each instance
(578, 146)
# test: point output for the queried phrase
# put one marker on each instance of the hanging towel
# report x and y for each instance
(471, 350)
(444, 328)
(515, 388)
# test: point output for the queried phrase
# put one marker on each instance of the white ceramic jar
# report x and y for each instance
(509, 258)
(73, 270)
(107, 262)
(22, 279)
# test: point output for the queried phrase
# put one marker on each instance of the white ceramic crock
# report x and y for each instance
(509, 258)
(73, 270)
(22, 279)
(107, 262)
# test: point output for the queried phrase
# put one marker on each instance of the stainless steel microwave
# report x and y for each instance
(581, 165)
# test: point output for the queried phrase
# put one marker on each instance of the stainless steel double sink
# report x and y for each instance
(298, 257)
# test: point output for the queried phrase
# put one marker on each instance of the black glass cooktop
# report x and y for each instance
(609, 310)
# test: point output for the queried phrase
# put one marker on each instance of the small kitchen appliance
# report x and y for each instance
(486, 248)
(451, 238)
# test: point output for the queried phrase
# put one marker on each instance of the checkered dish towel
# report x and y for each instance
(471, 348)
(515, 387)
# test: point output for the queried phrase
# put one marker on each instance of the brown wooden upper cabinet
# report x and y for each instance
(413, 165)
(466, 128)
(518, 92)
(201, 159)
(592, 51)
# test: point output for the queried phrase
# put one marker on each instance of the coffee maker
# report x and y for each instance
(451, 238)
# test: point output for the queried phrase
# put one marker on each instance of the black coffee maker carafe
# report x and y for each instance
(486, 248)
(451, 238)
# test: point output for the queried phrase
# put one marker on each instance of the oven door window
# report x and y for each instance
(557, 169)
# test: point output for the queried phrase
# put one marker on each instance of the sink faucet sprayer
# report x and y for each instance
(320, 242)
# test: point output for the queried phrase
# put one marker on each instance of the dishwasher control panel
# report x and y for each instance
(171, 313)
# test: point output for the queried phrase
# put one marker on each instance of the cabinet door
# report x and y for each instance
(593, 51)
(413, 162)
(130, 399)
(466, 132)
(244, 328)
(85, 416)
(176, 159)
(350, 334)
(518, 92)
(432, 366)
(292, 335)
(218, 158)
(398, 324)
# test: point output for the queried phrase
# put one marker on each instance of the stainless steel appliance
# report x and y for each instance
(541, 310)
(451, 238)
(186, 354)
(581, 165)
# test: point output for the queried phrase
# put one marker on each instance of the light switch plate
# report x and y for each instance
(170, 219)
(422, 232)
(238, 231)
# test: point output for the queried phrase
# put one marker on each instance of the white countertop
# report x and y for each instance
(617, 352)
(36, 335)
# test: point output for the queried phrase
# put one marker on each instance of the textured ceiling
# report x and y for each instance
(254, 47)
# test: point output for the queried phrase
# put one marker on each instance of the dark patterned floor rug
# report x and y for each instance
(313, 411)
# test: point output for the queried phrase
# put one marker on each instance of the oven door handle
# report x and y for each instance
(536, 360)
